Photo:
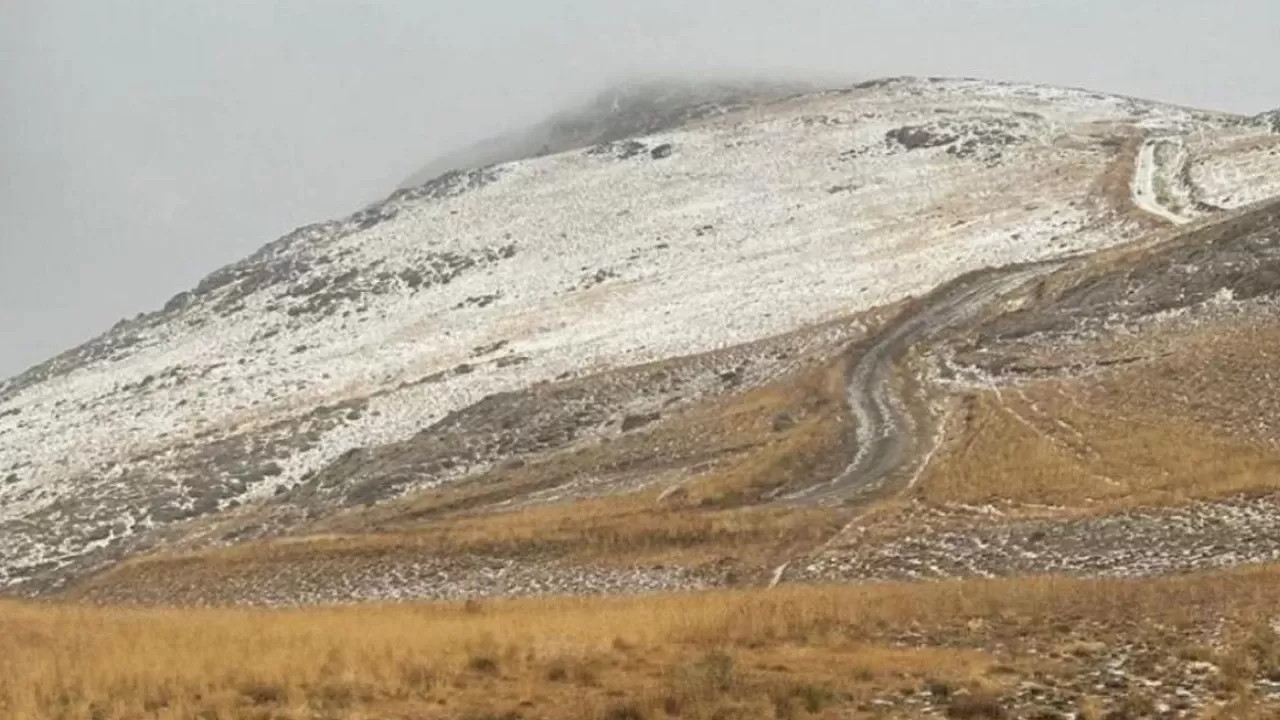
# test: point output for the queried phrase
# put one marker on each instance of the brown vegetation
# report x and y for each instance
(1037, 446)
(786, 653)
(1193, 419)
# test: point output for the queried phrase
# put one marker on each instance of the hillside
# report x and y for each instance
(714, 355)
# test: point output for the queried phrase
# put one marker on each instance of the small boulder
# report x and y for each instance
(633, 422)
(178, 302)
(662, 151)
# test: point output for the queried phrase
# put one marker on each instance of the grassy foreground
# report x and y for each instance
(783, 653)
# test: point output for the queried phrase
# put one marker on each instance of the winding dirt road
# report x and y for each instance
(887, 437)
(888, 440)
(886, 432)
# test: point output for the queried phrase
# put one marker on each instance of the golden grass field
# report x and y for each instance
(1034, 446)
(1197, 423)
(796, 652)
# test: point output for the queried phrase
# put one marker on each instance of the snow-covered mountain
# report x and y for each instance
(691, 228)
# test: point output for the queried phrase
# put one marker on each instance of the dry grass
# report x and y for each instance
(785, 653)
(1038, 446)
(736, 546)
(1195, 422)
(605, 532)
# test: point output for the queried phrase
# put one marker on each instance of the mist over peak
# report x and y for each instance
(631, 107)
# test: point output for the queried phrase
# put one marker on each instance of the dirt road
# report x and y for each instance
(1161, 185)
(887, 437)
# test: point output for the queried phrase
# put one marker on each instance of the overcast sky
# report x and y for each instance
(144, 144)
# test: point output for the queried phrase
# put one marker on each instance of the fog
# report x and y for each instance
(144, 144)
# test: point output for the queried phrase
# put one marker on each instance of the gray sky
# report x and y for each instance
(146, 143)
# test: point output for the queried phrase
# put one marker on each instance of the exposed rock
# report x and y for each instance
(178, 302)
(635, 422)
(662, 151)
(1271, 120)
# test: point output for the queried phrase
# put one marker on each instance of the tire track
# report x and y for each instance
(1157, 180)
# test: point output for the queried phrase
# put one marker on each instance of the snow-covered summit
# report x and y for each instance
(629, 109)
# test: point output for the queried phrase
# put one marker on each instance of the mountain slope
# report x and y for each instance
(598, 323)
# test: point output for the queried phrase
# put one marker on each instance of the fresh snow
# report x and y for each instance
(1236, 168)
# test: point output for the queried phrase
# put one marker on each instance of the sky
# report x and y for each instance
(145, 143)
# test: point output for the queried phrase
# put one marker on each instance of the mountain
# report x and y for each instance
(1020, 322)
(624, 111)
